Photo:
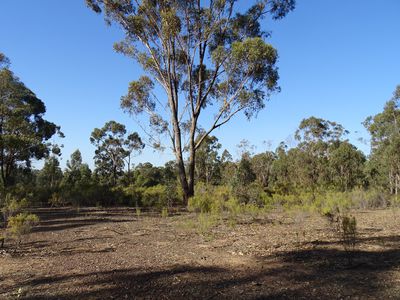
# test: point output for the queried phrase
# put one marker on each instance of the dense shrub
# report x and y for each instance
(134, 195)
(287, 201)
(11, 206)
(209, 198)
(21, 224)
(370, 199)
(155, 196)
(252, 193)
(333, 202)
(56, 200)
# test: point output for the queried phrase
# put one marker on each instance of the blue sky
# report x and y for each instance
(339, 60)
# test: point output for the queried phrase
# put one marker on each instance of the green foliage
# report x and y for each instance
(209, 199)
(233, 207)
(21, 224)
(164, 212)
(147, 175)
(228, 171)
(322, 160)
(315, 129)
(205, 223)
(202, 201)
(24, 132)
(215, 203)
(152, 186)
(51, 174)
(289, 201)
(56, 200)
(250, 194)
(220, 202)
(12, 205)
(244, 172)
(80, 187)
(346, 165)
(47, 182)
(370, 199)
(134, 194)
(208, 162)
(384, 165)
(155, 196)
(4, 61)
(262, 165)
(253, 210)
(138, 212)
(112, 148)
(244, 187)
(333, 202)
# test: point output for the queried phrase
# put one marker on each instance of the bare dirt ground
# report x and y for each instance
(114, 254)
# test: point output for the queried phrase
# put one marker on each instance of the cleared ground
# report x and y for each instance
(114, 254)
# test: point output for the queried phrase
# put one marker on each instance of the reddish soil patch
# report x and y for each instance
(113, 254)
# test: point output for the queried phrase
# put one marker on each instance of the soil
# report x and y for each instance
(115, 254)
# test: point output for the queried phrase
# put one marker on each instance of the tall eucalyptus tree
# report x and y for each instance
(205, 56)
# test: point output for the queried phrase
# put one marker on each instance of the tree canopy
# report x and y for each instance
(113, 147)
(384, 128)
(24, 133)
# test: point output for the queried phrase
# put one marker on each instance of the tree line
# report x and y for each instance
(322, 160)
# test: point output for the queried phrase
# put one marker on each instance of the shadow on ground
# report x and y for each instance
(318, 273)
(69, 218)
(294, 275)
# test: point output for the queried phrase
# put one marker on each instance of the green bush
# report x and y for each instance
(164, 212)
(12, 206)
(202, 200)
(252, 193)
(233, 207)
(213, 202)
(205, 222)
(21, 224)
(138, 212)
(268, 202)
(252, 209)
(395, 201)
(56, 200)
(23, 191)
(374, 199)
(287, 201)
(328, 202)
(209, 198)
(134, 195)
(332, 203)
(219, 201)
(155, 196)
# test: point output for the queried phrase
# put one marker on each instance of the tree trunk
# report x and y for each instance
(186, 179)
(192, 157)
(182, 178)
(191, 168)
(179, 159)
(186, 176)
